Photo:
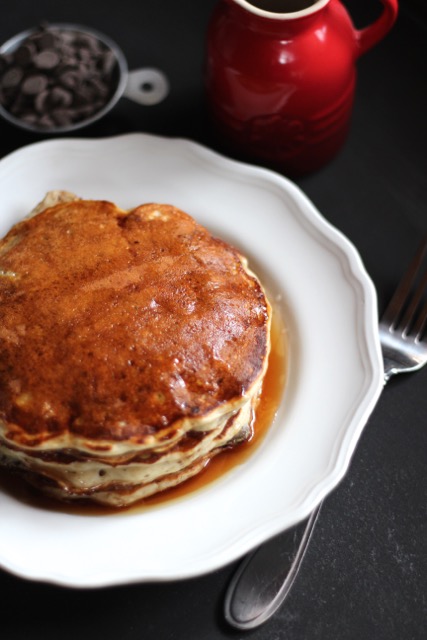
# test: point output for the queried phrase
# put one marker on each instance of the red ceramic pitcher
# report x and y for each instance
(280, 77)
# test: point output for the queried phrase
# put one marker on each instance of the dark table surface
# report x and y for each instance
(365, 574)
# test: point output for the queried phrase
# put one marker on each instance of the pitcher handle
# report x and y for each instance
(146, 86)
(369, 36)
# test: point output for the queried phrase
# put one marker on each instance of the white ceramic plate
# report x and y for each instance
(335, 373)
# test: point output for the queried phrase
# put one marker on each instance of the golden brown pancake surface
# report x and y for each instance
(118, 326)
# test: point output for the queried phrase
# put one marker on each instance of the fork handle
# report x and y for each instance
(266, 576)
(264, 579)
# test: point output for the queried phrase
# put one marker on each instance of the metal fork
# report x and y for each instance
(264, 579)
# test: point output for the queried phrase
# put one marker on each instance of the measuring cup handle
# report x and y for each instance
(146, 86)
(369, 36)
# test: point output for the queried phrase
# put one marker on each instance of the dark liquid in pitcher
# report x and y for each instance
(282, 6)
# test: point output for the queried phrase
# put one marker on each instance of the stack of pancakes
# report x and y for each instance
(133, 348)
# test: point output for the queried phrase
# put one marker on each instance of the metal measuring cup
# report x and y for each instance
(145, 86)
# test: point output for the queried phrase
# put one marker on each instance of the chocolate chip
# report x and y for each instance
(33, 85)
(46, 59)
(84, 71)
(61, 97)
(29, 118)
(63, 117)
(12, 78)
(101, 89)
(88, 41)
(69, 79)
(85, 94)
(67, 51)
(85, 55)
(24, 54)
(18, 105)
(46, 40)
(40, 102)
(46, 122)
(67, 38)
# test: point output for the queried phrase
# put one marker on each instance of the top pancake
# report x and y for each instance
(119, 326)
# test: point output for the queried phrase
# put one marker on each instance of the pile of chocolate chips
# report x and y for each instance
(57, 77)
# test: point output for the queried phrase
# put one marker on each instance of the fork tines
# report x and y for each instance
(407, 310)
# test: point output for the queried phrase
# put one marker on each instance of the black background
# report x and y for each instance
(365, 574)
